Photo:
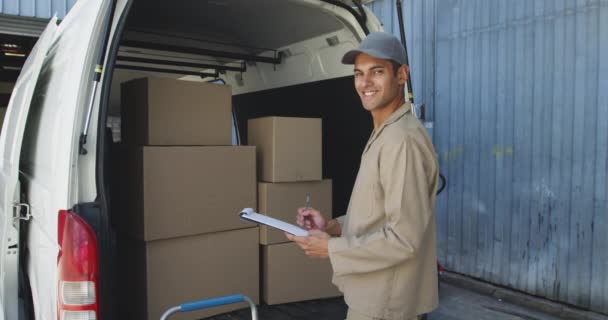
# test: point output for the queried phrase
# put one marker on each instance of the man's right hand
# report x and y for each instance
(311, 219)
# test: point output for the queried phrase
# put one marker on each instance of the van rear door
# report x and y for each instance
(50, 164)
(11, 210)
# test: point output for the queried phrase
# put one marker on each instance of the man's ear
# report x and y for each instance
(403, 73)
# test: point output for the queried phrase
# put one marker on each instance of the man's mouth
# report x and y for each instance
(369, 93)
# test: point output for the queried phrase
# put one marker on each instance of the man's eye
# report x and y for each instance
(378, 72)
(358, 75)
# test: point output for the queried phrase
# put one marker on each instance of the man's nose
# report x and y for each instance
(366, 79)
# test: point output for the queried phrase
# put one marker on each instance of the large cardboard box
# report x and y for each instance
(179, 191)
(161, 274)
(281, 201)
(288, 149)
(288, 275)
(161, 111)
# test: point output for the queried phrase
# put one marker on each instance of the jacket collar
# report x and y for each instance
(394, 117)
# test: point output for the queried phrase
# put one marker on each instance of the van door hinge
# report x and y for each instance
(21, 211)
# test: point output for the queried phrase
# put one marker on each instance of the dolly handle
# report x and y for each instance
(213, 302)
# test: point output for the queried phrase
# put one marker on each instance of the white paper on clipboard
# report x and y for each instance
(250, 215)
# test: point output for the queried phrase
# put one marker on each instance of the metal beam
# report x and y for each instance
(243, 68)
(11, 61)
(199, 51)
(22, 26)
(162, 70)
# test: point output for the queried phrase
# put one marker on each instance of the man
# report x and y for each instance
(383, 250)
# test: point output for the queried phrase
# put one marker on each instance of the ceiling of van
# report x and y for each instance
(254, 25)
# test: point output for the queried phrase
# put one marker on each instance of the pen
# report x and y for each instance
(307, 200)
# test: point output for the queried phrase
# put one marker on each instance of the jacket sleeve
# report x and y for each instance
(408, 176)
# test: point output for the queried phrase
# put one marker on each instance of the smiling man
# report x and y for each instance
(383, 250)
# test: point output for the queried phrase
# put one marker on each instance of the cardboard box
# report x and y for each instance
(288, 149)
(161, 111)
(288, 275)
(281, 201)
(161, 274)
(180, 191)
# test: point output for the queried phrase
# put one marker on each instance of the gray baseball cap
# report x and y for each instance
(380, 45)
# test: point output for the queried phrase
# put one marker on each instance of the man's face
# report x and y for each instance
(376, 82)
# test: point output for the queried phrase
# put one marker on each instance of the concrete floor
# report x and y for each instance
(456, 303)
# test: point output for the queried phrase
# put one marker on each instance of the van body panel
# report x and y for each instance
(51, 142)
(310, 60)
(87, 185)
(10, 149)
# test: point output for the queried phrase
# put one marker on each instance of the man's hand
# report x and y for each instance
(315, 245)
(311, 219)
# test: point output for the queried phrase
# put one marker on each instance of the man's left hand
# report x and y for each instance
(315, 245)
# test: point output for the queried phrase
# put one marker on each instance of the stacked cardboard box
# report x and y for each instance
(181, 236)
(288, 275)
(281, 200)
(290, 169)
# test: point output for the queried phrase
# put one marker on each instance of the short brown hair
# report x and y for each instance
(396, 65)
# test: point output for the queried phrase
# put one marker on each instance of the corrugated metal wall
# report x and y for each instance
(519, 90)
(43, 9)
(419, 17)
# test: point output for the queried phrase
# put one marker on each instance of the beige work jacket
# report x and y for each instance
(385, 260)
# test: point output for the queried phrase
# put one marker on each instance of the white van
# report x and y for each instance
(281, 57)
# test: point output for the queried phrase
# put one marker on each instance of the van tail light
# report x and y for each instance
(78, 273)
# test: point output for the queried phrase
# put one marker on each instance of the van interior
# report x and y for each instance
(280, 57)
(264, 51)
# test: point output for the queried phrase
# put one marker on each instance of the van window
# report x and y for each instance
(35, 121)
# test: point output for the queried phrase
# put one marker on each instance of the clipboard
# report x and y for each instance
(249, 215)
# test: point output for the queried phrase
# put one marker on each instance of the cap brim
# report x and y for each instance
(350, 56)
